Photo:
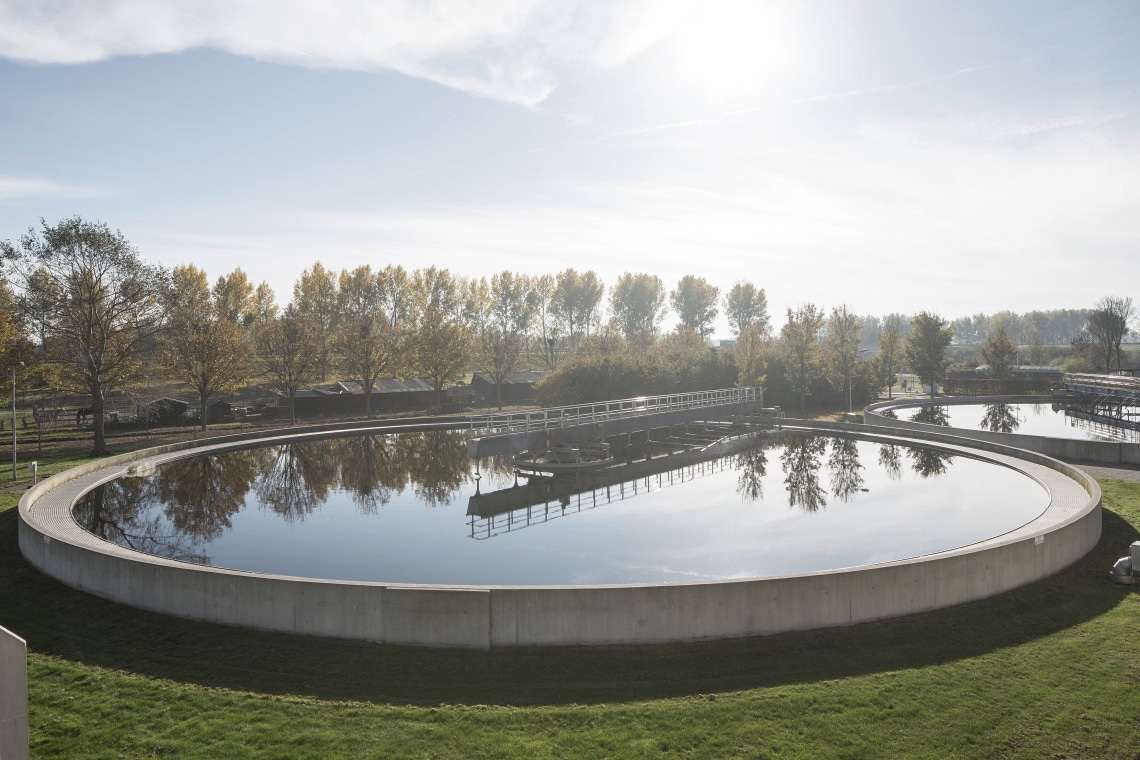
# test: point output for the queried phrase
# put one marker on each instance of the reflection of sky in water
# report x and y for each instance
(1033, 419)
(705, 528)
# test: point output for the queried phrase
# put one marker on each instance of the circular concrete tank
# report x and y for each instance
(484, 616)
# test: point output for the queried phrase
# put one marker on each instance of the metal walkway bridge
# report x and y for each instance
(1117, 386)
(1107, 399)
(493, 434)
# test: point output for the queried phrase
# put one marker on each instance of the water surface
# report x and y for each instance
(1025, 419)
(400, 509)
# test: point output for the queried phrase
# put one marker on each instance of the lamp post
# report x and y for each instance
(13, 368)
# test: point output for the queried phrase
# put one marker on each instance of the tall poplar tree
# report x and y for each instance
(695, 302)
(364, 342)
(746, 306)
(577, 302)
(545, 323)
(842, 346)
(925, 348)
(233, 296)
(202, 345)
(503, 339)
(638, 306)
(890, 352)
(999, 353)
(801, 348)
(439, 345)
(289, 348)
(315, 296)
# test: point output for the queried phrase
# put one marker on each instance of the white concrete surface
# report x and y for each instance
(13, 697)
(495, 616)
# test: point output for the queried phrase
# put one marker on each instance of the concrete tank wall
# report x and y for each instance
(13, 697)
(494, 616)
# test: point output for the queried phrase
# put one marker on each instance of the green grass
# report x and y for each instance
(1051, 670)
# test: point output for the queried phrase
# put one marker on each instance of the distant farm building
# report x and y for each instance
(164, 409)
(347, 397)
(219, 411)
(1028, 371)
(517, 386)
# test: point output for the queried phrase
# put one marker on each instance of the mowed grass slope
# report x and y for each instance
(1051, 670)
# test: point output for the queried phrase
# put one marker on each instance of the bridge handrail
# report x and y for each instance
(600, 411)
(1116, 382)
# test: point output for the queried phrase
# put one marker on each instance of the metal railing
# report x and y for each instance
(1112, 382)
(482, 528)
(602, 411)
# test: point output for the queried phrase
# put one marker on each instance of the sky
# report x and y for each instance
(954, 157)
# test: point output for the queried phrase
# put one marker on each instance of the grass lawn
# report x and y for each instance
(1050, 670)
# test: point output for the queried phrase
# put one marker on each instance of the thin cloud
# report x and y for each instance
(889, 87)
(508, 50)
(16, 188)
(1052, 125)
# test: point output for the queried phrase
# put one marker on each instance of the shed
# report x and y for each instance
(390, 394)
(517, 386)
(219, 411)
(346, 397)
(165, 409)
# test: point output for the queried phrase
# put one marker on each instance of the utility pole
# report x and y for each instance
(13, 368)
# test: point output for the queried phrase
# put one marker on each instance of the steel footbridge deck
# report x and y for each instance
(495, 434)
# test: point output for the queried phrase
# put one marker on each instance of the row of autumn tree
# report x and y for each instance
(101, 313)
(814, 352)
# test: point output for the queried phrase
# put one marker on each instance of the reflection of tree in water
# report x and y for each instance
(371, 468)
(297, 477)
(200, 495)
(438, 464)
(1000, 418)
(929, 462)
(932, 415)
(497, 471)
(844, 468)
(890, 457)
(800, 461)
(751, 466)
(123, 512)
(194, 500)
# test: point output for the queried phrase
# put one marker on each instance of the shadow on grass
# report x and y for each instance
(60, 622)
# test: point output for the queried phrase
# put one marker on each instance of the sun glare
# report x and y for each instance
(731, 48)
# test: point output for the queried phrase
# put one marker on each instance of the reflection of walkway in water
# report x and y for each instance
(1116, 430)
(546, 499)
